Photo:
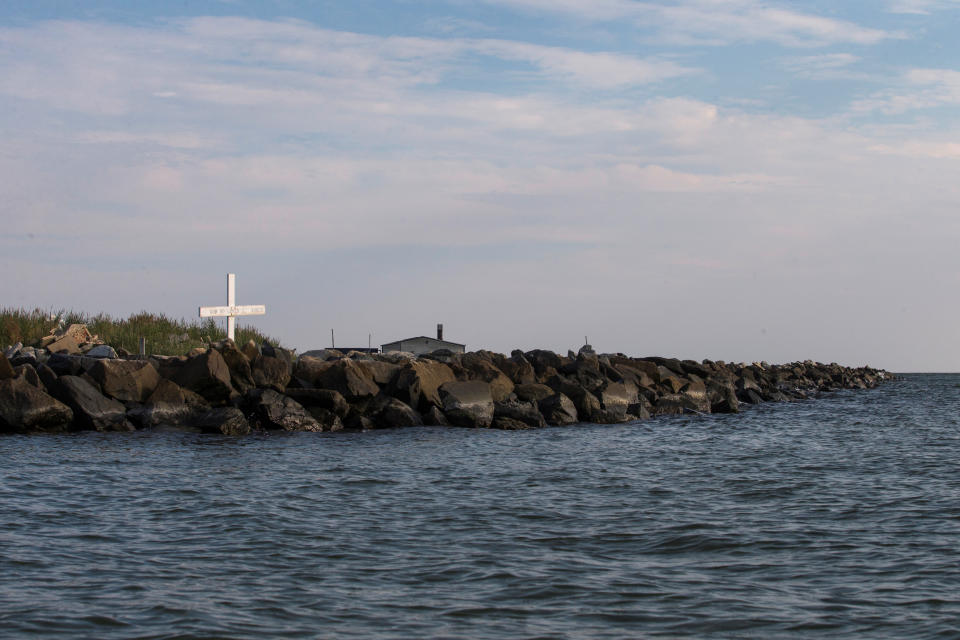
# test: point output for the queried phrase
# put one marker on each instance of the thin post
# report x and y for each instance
(231, 302)
(333, 345)
(143, 346)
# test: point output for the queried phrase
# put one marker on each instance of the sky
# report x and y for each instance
(738, 180)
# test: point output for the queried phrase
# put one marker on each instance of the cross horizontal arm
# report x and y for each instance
(238, 310)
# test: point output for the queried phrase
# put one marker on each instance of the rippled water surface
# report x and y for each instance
(836, 517)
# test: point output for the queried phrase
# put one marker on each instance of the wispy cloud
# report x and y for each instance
(922, 7)
(917, 89)
(715, 22)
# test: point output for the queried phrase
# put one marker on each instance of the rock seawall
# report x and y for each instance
(235, 390)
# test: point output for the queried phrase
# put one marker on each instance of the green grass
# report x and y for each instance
(164, 335)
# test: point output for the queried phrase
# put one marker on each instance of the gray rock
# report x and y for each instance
(468, 404)
(24, 408)
(381, 372)
(516, 410)
(271, 372)
(390, 413)
(28, 373)
(276, 411)
(509, 424)
(102, 351)
(558, 409)
(228, 421)
(675, 404)
(208, 375)
(639, 410)
(65, 365)
(321, 398)
(91, 409)
(13, 351)
(435, 418)
(241, 373)
(329, 421)
(125, 380)
(418, 384)
(169, 406)
(615, 400)
(533, 392)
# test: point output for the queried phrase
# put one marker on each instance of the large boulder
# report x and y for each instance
(586, 373)
(125, 380)
(545, 363)
(276, 411)
(588, 405)
(676, 403)
(633, 375)
(722, 396)
(91, 409)
(6, 369)
(509, 424)
(208, 375)
(387, 412)
(271, 372)
(558, 409)
(241, 373)
(328, 420)
(670, 381)
(615, 400)
(228, 421)
(480, 367)
(435, 417)
(380, 371)
(518, 411)
(517, 368)
(418, 384)
(328, 399)
(25, 408)
(101, 351)
(65, 365)
(647, 367)
(696, 391)
(468, 403)
(532, 392)
(169, 405)
(344, 376)
(28, 373)
(64, 345)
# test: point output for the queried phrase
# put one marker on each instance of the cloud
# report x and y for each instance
(918, 89)
(715, 22)
(921, 7)
(938, 149)
(378, 171)
(824, 62)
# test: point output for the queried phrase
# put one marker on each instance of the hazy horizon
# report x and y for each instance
(726, 179)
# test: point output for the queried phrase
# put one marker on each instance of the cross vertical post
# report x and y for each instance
(231, 302)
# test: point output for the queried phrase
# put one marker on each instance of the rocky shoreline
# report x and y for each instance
(235, 390)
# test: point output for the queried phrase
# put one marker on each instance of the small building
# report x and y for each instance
(422, 344)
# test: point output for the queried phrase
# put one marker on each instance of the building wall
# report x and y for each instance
(418, 346)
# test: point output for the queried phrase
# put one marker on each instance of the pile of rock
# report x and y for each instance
(74, 339)
(233, 390)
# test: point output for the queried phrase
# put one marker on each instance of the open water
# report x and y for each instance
(838, 517)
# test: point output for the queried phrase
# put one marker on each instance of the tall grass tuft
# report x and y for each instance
(163, 335)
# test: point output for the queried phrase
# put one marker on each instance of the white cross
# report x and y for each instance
(231, 311)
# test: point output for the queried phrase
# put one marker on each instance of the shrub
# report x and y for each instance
(163, 335)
